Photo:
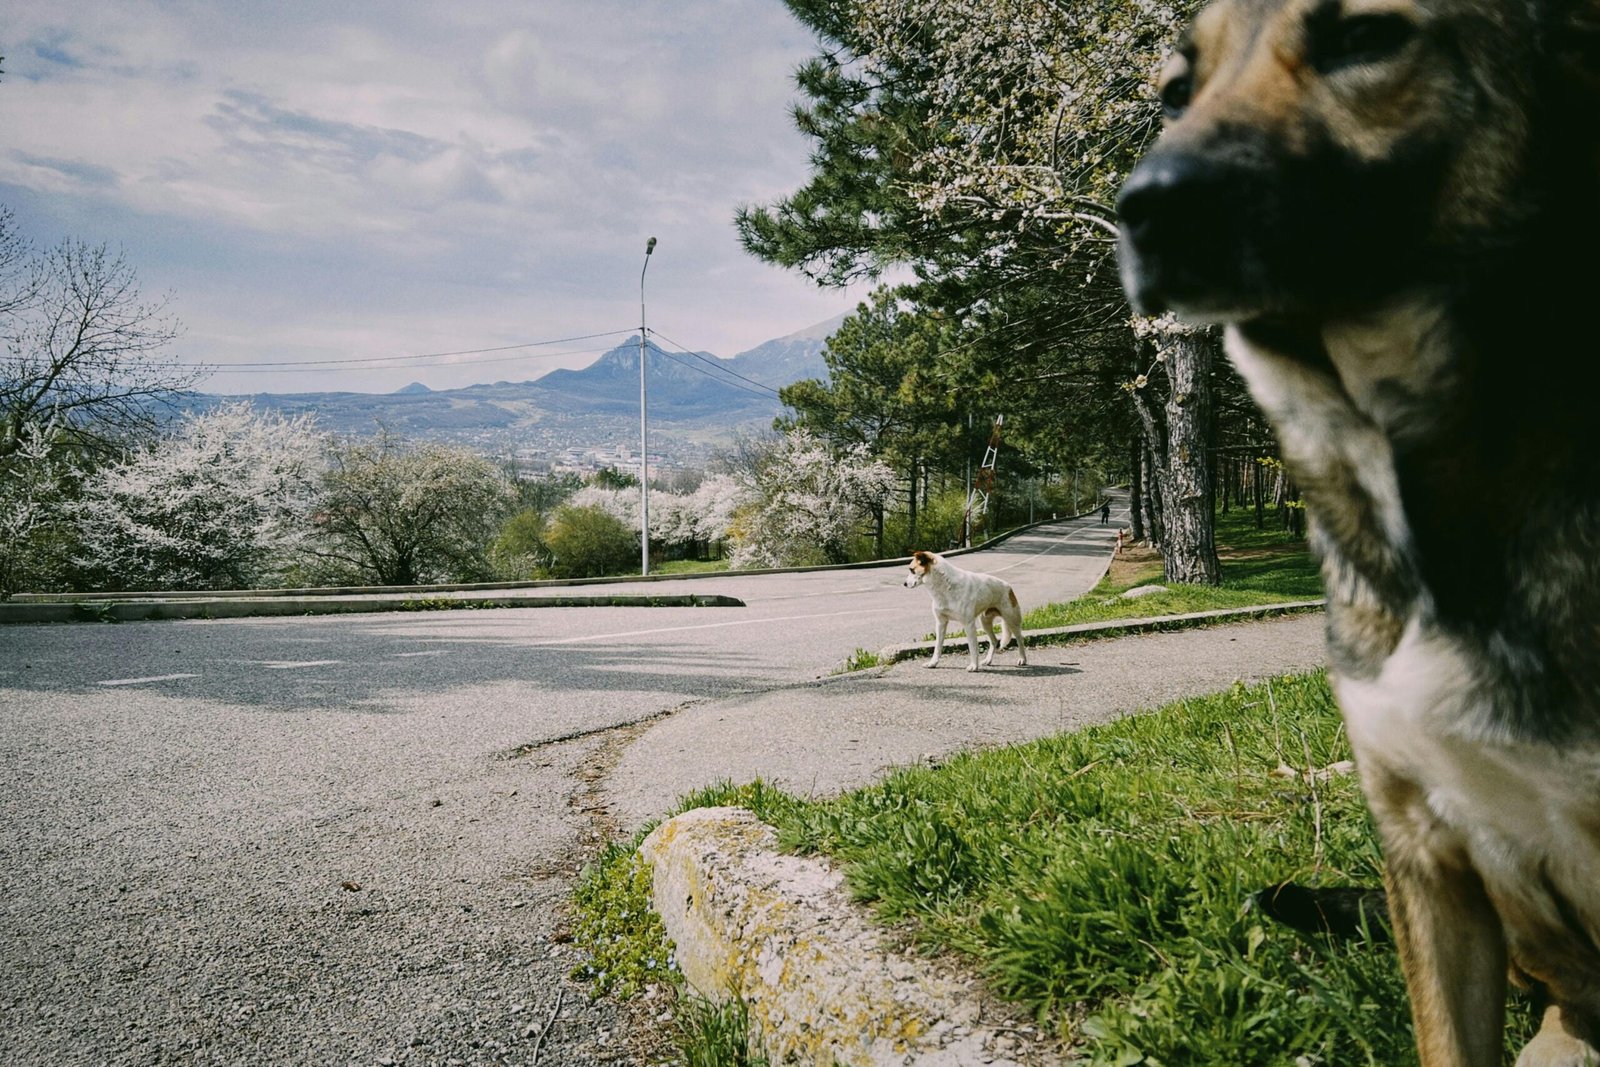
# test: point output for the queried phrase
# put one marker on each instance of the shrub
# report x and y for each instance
(588, 542)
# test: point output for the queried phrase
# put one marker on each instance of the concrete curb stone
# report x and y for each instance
(1115, 628)
(822, 985)
(237, 607)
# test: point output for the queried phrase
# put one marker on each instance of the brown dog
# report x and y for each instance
(1392, 205)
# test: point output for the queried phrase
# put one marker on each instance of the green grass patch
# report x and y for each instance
(626, 946)
(1266, 566)
(708, 1034)
(444, 603)
(689, 566)
(860, 660)
(1101, 879)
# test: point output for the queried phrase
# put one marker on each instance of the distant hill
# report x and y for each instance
(692, 397)
(785, 360)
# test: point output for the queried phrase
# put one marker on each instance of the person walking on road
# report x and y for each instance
(1105, 513)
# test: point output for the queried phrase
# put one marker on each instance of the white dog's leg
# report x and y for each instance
(972, 642)
(940, 625)
(1013, 621)
(995, 643)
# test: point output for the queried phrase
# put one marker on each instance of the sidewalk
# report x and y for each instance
(844, 732)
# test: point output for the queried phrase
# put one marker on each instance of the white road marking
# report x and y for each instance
(290, 665)
(436, 652)
(152, 678)
(712, 626)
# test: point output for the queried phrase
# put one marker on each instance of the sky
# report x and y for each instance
(332, 181)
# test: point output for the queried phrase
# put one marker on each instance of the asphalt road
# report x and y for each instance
(346, 839)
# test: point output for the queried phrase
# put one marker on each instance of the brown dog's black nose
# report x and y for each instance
(1191, 227)
(1173, 197)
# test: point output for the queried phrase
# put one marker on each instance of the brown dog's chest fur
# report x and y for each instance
(1462, 575)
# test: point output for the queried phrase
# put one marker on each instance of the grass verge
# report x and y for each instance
(1101, 879)
(689, 566)
(1266, 566)
(627, 951)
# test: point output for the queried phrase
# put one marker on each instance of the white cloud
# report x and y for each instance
(324, 181)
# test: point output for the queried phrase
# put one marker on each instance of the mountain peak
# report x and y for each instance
(817, 331)
(413, 389)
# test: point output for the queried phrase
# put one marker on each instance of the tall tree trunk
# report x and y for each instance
(1178, 482)
(912, 521)
(1191, 549)
(1136, 494)
(1255, 488)
(1152, 497)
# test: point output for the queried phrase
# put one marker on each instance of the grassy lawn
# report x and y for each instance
(1101, 879)
(1258, 567)
(689, 566)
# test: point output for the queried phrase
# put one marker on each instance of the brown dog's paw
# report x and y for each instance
(1342, 911)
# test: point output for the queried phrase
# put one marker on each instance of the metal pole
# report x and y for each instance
(644, 430)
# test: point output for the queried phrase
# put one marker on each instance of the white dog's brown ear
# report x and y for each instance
(922, 559)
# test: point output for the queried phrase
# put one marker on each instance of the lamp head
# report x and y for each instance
(650, 246)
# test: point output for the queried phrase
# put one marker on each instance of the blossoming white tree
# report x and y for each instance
(33, 511)
(714, 507)
(222, 502)
(397, 513)
(808, 502)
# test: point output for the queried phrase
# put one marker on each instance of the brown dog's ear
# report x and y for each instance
(924, 559)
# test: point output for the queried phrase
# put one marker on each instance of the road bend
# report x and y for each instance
(347, 839)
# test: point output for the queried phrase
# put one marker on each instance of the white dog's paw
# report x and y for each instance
(1553, 1046)
(931, 663)
(971, 667)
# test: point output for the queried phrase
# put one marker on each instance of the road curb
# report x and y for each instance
(1056, 635)
(780, 932)
(236, 607)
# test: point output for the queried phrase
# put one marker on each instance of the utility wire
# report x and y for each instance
(699, 370)
(436, 355)
(715, 363)
(228, 368)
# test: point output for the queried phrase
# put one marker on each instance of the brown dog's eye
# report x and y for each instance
(1362, 39)
(1175, 95)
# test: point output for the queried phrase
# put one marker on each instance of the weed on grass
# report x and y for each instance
(625, 944)
(860, 660)
(709, 1034)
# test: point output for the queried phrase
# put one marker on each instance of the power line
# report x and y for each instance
(723, 381)
(434, 355)
(228, 368)
(715, 363)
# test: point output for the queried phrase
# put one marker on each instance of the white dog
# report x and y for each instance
(967, 599)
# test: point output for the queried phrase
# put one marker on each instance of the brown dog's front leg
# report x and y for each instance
(1453, 953)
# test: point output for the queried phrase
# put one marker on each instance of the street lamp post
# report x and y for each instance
(644, 431)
